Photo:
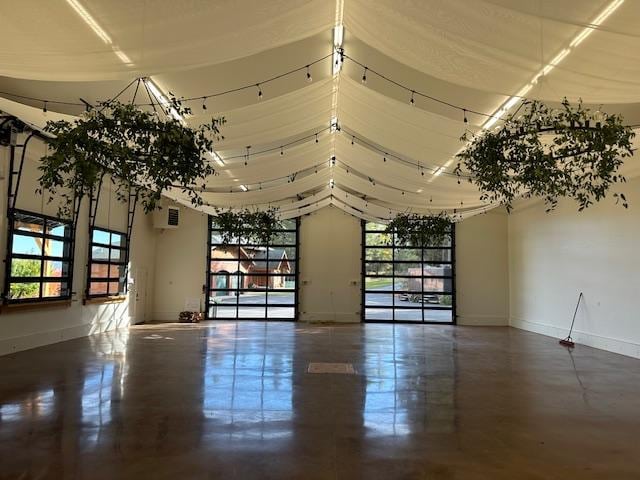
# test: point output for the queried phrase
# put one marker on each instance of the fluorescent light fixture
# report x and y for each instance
(98, 30)
(162, 99)
(338, 38)
(122, 56)
(333, 125)
(584, 33)
(243, 188)
(89, 20)
(217, 158)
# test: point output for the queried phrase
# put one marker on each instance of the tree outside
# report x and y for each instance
(24, 268)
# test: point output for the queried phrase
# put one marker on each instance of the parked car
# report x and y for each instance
(417, 297)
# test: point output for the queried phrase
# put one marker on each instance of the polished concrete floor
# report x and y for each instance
(234, 400)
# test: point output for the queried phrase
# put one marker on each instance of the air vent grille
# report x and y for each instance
(173, 216)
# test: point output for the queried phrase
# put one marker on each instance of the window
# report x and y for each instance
(108, 257)
(39, 258)
(406, 284)
(249, 281)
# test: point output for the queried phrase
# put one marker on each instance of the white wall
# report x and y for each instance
(482, 270)
(21, 329)
(181, 262)
(554, 256)
(330, 266)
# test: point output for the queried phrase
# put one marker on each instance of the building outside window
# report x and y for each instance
(108, 256)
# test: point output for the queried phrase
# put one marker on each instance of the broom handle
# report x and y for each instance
(574, 315)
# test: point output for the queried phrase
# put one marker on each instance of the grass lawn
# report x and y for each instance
(378, 282)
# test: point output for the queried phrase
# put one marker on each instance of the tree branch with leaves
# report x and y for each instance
(137, 149)
(549, 153)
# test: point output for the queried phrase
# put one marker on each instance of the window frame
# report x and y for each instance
(393, 276)
(123, 262)
(68, 248)
(230, 273)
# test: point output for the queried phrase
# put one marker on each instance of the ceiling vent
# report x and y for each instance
(167, 217)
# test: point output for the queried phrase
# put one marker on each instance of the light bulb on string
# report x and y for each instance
(259, 91)
(44, 107)
(281, 150)
(246, 158)
(352, 138)
(384, 158)
(412, 102)
(316, 138)
(364, 76)
(204, 103)
(464, 118)
(309, 79)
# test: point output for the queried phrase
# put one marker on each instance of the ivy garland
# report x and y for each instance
(136, 148)
(549, 153)
(257, 227)
(421, 230)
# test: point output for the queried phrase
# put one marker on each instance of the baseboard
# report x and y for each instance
(615, 345)
(165, 317)
(482, 320)
(40, 339)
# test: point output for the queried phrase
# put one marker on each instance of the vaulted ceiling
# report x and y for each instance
(387, 155)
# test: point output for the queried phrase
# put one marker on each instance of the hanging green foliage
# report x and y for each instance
(421, 230)
(137, 149)
(257, 227)
(549, 153)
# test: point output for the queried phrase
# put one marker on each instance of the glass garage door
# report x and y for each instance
(402, 283)
(249, 281)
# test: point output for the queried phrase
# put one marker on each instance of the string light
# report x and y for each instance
(44, 107)
(412, 102)
(340, 57)
(316, 138)
(281, 150)
(246, 159)
(352, 138)
(204, 103)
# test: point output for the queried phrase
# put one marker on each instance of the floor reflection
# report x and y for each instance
(234, 400)
(410, 388)
(247, 390)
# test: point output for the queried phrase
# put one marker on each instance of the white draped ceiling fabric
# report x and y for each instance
(280, 148)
